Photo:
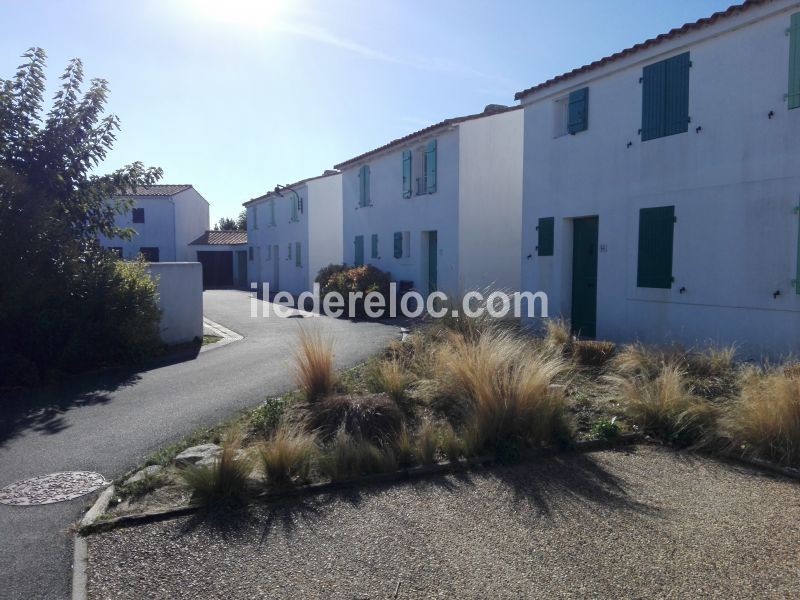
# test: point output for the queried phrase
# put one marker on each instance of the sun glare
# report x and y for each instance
(251, 13)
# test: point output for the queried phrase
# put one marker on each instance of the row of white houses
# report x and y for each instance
(653, 194)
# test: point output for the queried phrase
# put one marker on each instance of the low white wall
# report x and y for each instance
(180, 298)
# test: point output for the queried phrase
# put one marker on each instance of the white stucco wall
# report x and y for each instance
(490, 208)
(390, 212)
(180, 299)
(733, 183)
(157, 231)
(191, 220)
(324, 224)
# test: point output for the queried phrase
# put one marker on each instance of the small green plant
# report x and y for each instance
(147, 483)
(223, 482)
(389, 376)
(348, 457)
(288, 456)
(449, 443)
(404, 449)
(267, 417)
(427, 443)
(606, 429)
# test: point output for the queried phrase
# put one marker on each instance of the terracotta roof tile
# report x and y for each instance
(220, 238)
(159, 190)
(678, 31)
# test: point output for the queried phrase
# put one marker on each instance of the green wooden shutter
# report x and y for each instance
(546, 230)
(430, 167)
(298, 260)
(294, 209)
(289, 251)
(398, 244)
(797, 268)
(272, 212)
(578, 111)
(374, 253)
(676, 99)
(359, 250)
(653, 90)
(406, 174)
(656, 230)
(363, 177)
(794, 62)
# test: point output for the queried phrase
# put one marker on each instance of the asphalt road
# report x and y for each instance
(110, 423)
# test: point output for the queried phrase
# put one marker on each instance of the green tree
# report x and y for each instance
(229, 224)
(52, 209)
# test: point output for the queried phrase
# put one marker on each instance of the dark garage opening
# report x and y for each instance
(217, 268)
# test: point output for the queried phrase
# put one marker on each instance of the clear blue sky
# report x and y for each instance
(235, 96)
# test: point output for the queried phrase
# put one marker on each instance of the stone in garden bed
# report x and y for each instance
(199, 456)
(139, 475)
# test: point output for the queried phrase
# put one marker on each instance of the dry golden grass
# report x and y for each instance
(224, 481)
(372, 417)
(348, 457)
(666, 405)
(288, 456)
(390, 376)
(765, 420)
(426, 443)
(503, 381)
(314, 370)
(592, 353)
(558, 334)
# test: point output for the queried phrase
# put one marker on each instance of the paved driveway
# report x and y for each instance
(112, 422)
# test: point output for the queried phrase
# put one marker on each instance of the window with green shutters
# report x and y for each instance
(656, 229)
(374, 253)
(363, 182)
(398, 244)
(430, 167)
(295, 216)
(546, 237)
(793, 97)
(665, 97)
(272, 212)
(578, 111)
(359, 250)
(407, 187)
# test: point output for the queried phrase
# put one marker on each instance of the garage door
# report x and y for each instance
(217, 268)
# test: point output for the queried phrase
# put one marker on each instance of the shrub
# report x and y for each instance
(765, 420)
(558, 335)
(326, 273)
(374, 417)
(404, 451)
(287, 456)
(364, 279)
(592, 353)
(268, 416)
(667, 407)
(469, 327)
(223, 482)
(450, 444)
(390, 376)
(606, 429)
(314, 372)
(348, 457)
(503, 382)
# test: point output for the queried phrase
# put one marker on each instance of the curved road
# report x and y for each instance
(111, 423)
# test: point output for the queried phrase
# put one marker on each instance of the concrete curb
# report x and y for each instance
(80, 553)
(401, 475)
(226, 334)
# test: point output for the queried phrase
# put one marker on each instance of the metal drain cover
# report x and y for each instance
(47, 489)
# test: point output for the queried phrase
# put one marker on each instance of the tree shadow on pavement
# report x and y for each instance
(43, 410)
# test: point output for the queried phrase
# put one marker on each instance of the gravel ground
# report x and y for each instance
(640, 522)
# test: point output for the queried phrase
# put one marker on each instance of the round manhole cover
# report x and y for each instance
(47, 489)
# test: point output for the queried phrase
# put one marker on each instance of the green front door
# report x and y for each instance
(584, 277)
(241, 269)
(433, 250)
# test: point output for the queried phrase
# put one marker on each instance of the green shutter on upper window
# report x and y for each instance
(272, 212)
(656, 231)
(653, 86)
(546, 237)
(298, 260)
(374, 253)
(406, 174)
(578, 111)
(794, 62)
(398, 244)
(430, 167)
(676, 102)
(359, 250)
(294, 209)
(363, 177)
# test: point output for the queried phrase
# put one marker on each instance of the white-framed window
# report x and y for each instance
(418, 168)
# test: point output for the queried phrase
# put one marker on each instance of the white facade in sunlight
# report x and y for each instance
(291, 237)
(671, 212)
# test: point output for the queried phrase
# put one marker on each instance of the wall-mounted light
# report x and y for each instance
(770, 114)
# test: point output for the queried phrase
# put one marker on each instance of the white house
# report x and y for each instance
(166, 219)
(661, 185)
(295, 231)
(440, 208)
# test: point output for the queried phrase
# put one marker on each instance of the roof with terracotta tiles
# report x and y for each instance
(673, 33)
(159, 190)
(492, 109)
(221, 238)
